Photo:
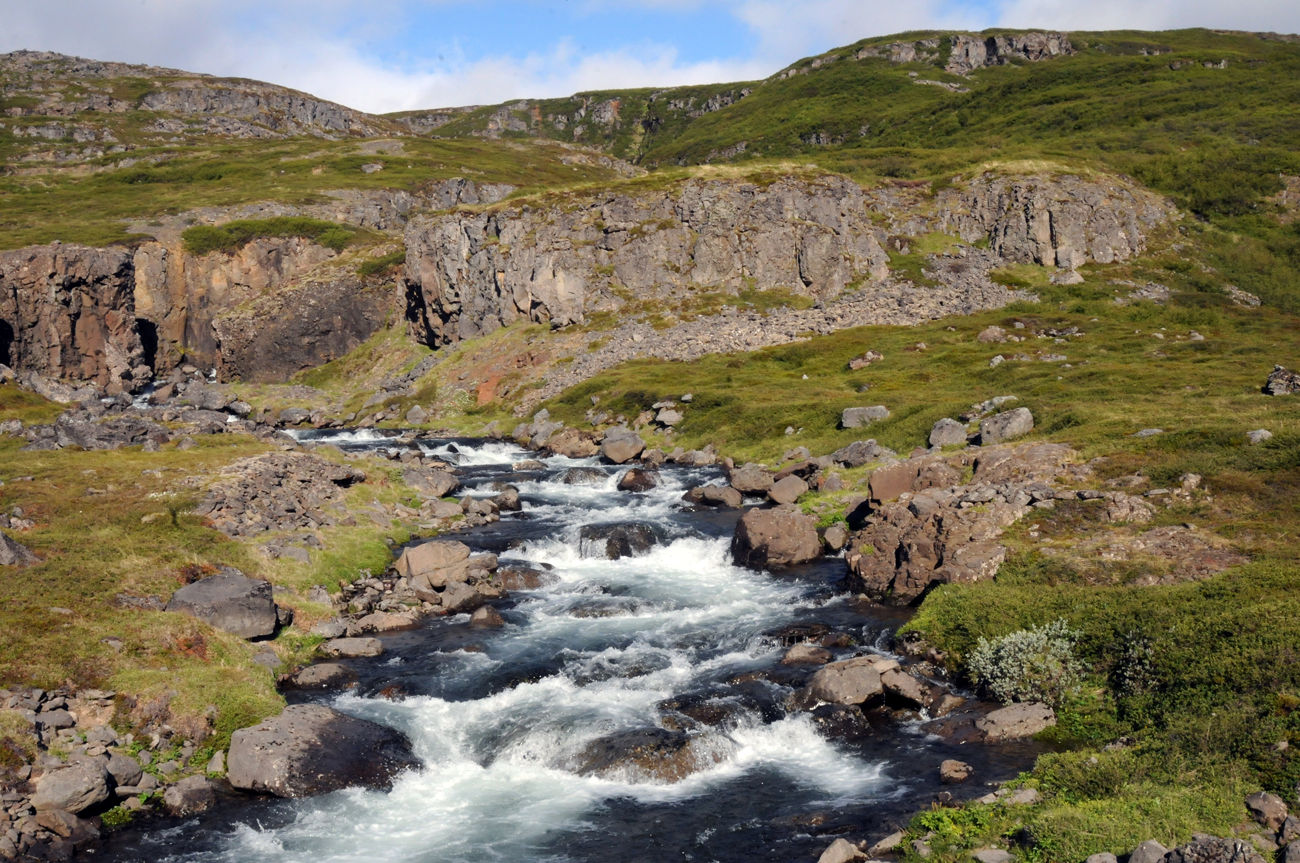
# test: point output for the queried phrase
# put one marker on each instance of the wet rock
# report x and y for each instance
(637, 479)
(583, 476)
(78, 831)
(523, 578)
(322, 675)
(312, 749)
(351, 648)
(1006, 426)
(15, 553)
(712, 495)
(651, 754)
(787, 490)
(430, 482)
(750, 479)
(424, 560)
(835, 538)
(1268, 809)
(953, 772)
(947, 432)
(853, 418)
(1015, 721)
(528, 465)
(621, 446)
(1282, 382)
(841, 851)
(850, 681)
(486, 617)
(460, 598)
(612, 541)
(806, 654)
(229, 601)
(74, 789)
(908, 689)
(571, 443)
(774, 537)
(190, 796)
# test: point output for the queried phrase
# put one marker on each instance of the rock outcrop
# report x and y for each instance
(975, 52)
(312, 749)
(470, 273)
(1055, 221)
(277, 491)
(69, 312)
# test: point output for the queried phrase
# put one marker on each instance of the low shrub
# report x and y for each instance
(1028, 665)
(232, 236)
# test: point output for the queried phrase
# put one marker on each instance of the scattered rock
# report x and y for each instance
(953, 772)
(621, 446)
(992, 335)
(312, 749)
(652, 754)
(806, 654)
(1282, 382)
(1103, 857)
(74, 789)
(853, 418)
(787, 490)
(430, 482)
(850, 681)
(750, 479)
(612, 541)
(323, 675)
(908, 689)
(1006, 426)
(78, 831)
(860, 452)
(1015, 721)
(486, 617)
(1149, 851)
(230, 601)
(189, 796)
(774, 537)
(638, 479)
(992, 855)
(861, 362)
(277, 491)
(15, 554)
(840, 851)
(571, 443)
(1258, 436)
(1268, 809)
(1209, 849)
(351, 648)
(583, 476)
(835, 537)
(713, 495)
(947, 432)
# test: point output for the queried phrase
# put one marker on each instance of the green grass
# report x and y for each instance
(232, 236)
(382, 264)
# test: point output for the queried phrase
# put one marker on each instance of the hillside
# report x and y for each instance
(902, 240)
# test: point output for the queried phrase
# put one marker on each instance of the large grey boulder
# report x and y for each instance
(1268, 809)
(774, 537)
(947, 432)
(750, 479)
(229, 601)
(1016, 720)
(853, 418)
(313, 749)
(621, 446)
(1006, 426)
(852, 681)
(73, 789)
(430, 482)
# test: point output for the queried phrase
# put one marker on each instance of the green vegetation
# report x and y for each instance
(382, 264)
(232, 236)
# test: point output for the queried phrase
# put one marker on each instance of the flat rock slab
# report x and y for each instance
(229, 601)
(312, 749)
(1015, 721)
(353, 647)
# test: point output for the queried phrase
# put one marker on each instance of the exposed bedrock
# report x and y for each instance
(470, 273)
(68, 312)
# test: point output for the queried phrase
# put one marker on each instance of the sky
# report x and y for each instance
(395, 55)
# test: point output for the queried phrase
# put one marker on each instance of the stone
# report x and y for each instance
(668, 417)
(750, 479)
(774, 537)
(613, 541)
(14, 553)
(638, 479)
(352, 648)
(323, 675)
(1282, 382)
(76, 830)
(430, 482)
(313, 749)
(1103, 857)
(860, 452)
(229, 601)
(385, 621)
(571, 443)
(993, 855)
(1023, 797)
(1258, 436)
(217, 764)
(1211, 849)
(953, 772)
(713, 495)
(416, 416)
(859, 363)
(840, 851)
(908, 689)
(332, 628)
(74, 789)
(486, 617)
(422, 560)
(851, 681)
(835, 538)
(293, 416)
(189, 796)
(124, 769)
(889, 843)
(1006, 426)
(621, 446)
(992, 334)
(947, 432)
(853, 418)
(787, 490)
(1268, 809)
(583, 476)
(1016, 721)
(651, 754)
(460, 598)
(806, 654)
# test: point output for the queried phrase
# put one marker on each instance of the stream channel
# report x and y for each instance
(496, 716)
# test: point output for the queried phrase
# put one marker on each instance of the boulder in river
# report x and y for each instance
(583, 476)
(653, 754)
(714, 495)
(621, 446)
(322, 675)
(750, 479)
(190, 796)
(626, 539)
(230, 601)
(571, 443)
(637, 479)
(775, 537)
(313, 749)
(430, 482)
(851, 681)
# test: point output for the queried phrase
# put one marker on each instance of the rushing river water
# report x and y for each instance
(496, 716)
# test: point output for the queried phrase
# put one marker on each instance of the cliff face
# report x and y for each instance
(468, 274)
(69, 312)
(1061, 221)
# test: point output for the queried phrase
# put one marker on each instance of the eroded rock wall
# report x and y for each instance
(68, 312)
(469, 273)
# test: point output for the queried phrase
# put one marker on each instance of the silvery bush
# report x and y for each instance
(1028, 665)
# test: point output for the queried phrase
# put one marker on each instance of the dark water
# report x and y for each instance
(498, 717)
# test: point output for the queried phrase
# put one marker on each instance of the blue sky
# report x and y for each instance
(388, 55)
